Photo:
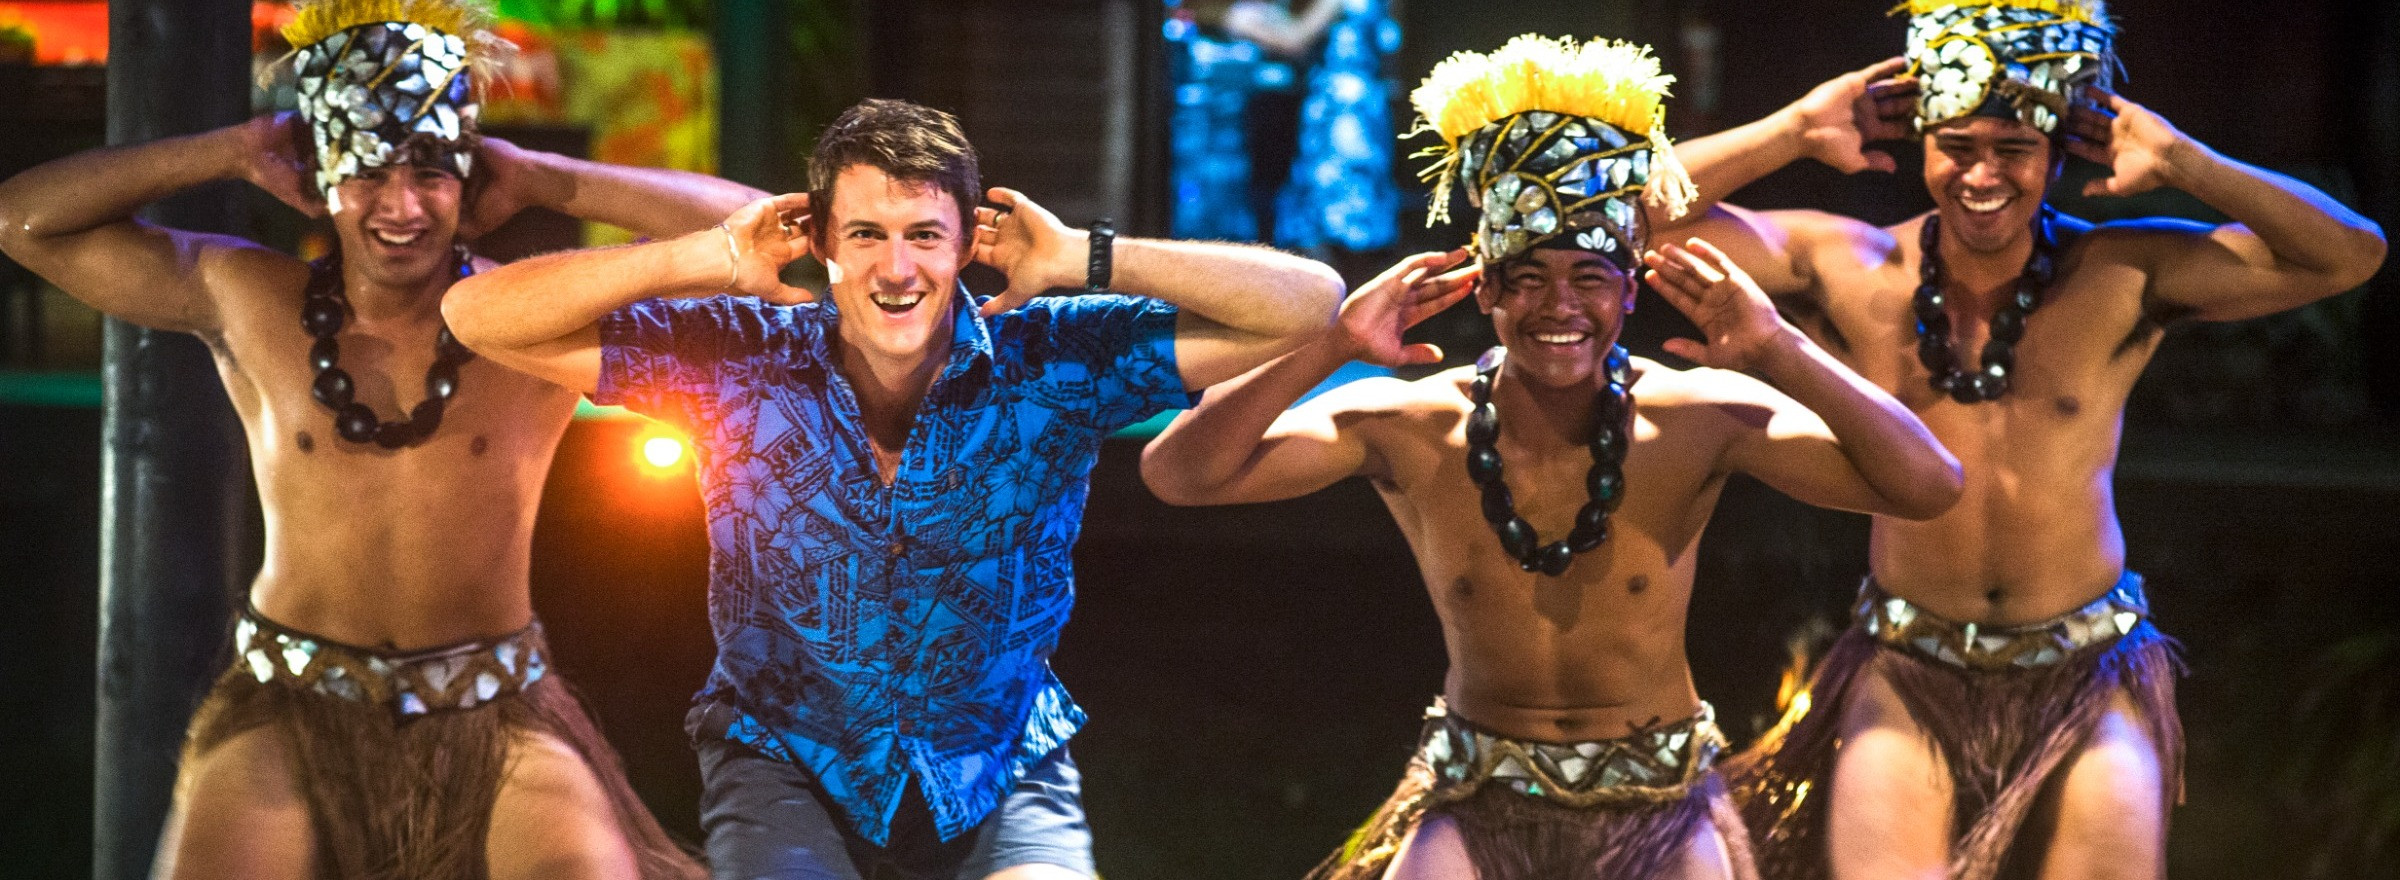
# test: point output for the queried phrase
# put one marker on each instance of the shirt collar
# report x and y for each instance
(970, 337)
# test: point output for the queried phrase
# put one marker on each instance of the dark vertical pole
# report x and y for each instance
(2378, 159)
(754, 145)
(173, 485)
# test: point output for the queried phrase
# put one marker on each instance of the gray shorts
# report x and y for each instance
(767, 819)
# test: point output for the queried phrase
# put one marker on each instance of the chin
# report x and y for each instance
(1573, 372)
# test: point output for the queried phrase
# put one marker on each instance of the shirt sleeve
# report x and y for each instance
(1127, 344)
(662, 358)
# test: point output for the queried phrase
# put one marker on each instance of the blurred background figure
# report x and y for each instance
(1261, 87)
(1340, 195)
(1214, 76)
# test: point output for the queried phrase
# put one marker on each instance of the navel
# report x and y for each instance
(305, 442)
(479, 445)
(1639, 583)
(1462, 588)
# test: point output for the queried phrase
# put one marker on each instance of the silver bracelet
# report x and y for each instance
(733, 258)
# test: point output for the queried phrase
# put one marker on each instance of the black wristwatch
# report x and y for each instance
(1104, 237)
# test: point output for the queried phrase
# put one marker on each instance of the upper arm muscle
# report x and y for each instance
(149, 275)
(571, 361)
(1313, 445)
(1207, 352)
(2219, 273)
(1790, 448)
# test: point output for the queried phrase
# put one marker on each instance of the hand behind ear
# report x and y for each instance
(761, 238)
(1735, 318)
(1027, 244)
(277, 165)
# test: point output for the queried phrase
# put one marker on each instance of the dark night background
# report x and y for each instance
(1254, 674)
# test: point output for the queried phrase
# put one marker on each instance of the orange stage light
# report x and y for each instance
(659, 450)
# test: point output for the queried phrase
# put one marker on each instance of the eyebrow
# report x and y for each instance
(872, 226)
(1587, 264)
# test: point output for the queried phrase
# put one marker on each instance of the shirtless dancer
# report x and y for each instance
(389, 710)
(2000, 681)
(1568, 741)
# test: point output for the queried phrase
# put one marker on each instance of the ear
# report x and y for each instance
(815, 233)
(1633, 290)
(1487, 292)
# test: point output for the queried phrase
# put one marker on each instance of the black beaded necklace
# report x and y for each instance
(1605, 483)
(2008, 323)
(323, 312)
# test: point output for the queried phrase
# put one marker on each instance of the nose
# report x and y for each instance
(1984, 171)
(1559, 299)
(396, 198)
(898, 265)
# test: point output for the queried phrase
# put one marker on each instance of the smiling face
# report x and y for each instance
(1987, 177)
(1559, 312)
(397, 223)
(899, 247)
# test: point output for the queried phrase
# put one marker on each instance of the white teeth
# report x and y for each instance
(895, 300)
(397, 240)
(1561, 338)
(1983, 206)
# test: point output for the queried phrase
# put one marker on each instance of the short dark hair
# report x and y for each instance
(910, 142)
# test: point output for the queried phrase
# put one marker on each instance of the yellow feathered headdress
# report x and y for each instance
(469, 20)
(1552, 137)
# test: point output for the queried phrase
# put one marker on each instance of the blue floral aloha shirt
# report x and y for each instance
(865, 632)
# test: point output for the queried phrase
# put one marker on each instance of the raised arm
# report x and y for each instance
(1240, 305)
(1837, 123)
(71, 221)
(1829, 438)
(541, 316)
(1278, 31)
(649, 202)
(2288, 245)
(1242, 444)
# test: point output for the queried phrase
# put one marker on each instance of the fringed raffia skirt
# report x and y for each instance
(401, 757)
(1619, 809)
(2005, 706)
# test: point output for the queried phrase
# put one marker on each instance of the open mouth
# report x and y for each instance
(1985, 205)
(896, 301)
(389, 238)
(1561, 337)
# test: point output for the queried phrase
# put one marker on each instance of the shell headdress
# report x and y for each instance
(1549, 138)
(389, 81)
(2014, 59)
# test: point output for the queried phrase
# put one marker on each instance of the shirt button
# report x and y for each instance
(899, 604)
(898, 548)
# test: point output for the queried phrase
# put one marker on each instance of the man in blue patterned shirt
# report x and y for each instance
(894, 480)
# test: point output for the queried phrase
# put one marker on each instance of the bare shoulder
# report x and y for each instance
(1826, 240)
(1657, 387)
(1392, 398)
(240, 275)
(2134, 240)
(1390, 415)
(236, 262)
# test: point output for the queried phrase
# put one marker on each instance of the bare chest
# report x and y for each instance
(492, 440)
(2081, 349)
(1450, 520)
